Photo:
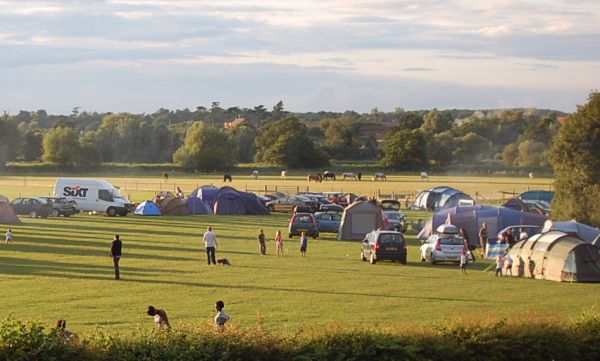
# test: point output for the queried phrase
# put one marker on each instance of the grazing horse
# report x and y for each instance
(379, 177)
(424, 176)
(315, 177)
(327, 175)
(283, 174)
(227, 178)
(165, 176)
(359, 175)
(255, 174)
(348, 175)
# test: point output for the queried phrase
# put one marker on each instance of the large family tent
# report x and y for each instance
(358, 219)
(230, 201)
(438, 198)
(196, 206)
(537, 195)
(472, 217)
(7, 213)
(586, 233)
(556, 256)
(173, 206)
(206, 193)
(147, 208)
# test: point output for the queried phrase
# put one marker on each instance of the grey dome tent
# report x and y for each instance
(7, 213)
(586, 233)
(438, 198)
(358, 219)
(556, 256)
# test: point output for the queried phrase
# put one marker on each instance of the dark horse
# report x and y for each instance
(328, 175)
(165, 176)
(227, 178)
(315, 177)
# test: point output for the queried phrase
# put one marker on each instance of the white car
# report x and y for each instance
(446, 245)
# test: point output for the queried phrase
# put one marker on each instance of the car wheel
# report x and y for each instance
(55, 213)
(33, 214)
(372, 259)
(362, 256)
(111, 212)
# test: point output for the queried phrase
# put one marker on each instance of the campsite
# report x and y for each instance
(55, 261)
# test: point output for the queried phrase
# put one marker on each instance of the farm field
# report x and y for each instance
(60, 268)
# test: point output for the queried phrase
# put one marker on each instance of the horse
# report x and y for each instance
(379, 177)
(530, 175)
(328, 175)
(424, 176)
(227, 178)
(315, 177)
(359, 175)
(165, 175)
(255, 174)
(283, 174)
(347, 175)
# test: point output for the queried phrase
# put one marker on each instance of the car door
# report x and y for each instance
(17, 205)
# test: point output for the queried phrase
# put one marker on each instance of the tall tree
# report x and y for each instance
(342, 138)
(61, 145)
(406, 150)
(576, 161)
(204, 148)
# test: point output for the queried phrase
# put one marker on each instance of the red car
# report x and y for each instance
(337, 198)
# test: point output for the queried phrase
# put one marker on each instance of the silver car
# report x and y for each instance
(446, 245)
(396, 219)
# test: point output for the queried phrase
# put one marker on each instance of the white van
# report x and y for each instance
(93, 195)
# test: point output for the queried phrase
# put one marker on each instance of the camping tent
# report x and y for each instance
(556, 256)
(207, 193)
(358, 219)
(519, 205)
(438, 198)
(147, 208)
(196, 206)
(537, 195)
(7, 213)
(584, 232)
(471, 218)
(230, 201)
(173, 206)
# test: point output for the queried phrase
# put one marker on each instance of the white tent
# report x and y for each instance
(586, 233)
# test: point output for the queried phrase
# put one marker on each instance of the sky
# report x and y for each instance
(331, 55)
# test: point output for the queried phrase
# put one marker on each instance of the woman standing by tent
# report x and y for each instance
(467, 243)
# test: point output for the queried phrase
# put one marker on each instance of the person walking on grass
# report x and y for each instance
(303, 244)
(211, 244)
(161, 321)
(483, 238)
(499, 265)
(115, 254)
(9, 236)
(509, 264)
(221, 318)
(278, 244)
(463, 261)
(261, 242)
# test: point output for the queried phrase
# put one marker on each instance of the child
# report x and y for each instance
(303, 244)
(499, 265)
(261, 242)
(278, 244)
(509, 264)
(221, 316)
(9, 236)
(463, 261)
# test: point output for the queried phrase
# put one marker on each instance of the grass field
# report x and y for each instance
(59, 268)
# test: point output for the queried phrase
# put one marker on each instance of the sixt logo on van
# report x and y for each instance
(75, 192)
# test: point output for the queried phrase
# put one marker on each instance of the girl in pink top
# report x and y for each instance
(278, 244)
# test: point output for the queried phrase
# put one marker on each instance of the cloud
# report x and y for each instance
(419, 69)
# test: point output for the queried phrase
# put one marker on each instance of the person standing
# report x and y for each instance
(483, 238)
(523, 234)
(221, 318)
(278, 244)
(160, 317)
(499, 265)
(303, 244)
(211, 244)
(115, 253)
(9, 236)
(467, 243)
(509, 264)
(261, 242)
(463, 261)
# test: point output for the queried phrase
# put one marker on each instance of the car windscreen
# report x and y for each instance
(451, 241)
(115, 193)
(390, 238)
(390, 205)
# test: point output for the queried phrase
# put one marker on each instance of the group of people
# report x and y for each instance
(262, 245)
(161, 320)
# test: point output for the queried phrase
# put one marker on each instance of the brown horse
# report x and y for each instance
(317, 177)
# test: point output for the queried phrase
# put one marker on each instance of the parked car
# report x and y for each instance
(516, 230)
(287, 204)
(303, 222)
(384, 245)
(328, 222)
(446, 245)
(61, 206)
(389, 205)
(396, 220)
(32, 206)
(337, 198)
(263, 199)
(331, 207)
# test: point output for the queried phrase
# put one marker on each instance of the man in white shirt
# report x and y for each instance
(211, 244)
(523, 234)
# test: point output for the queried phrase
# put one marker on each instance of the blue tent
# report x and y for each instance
(196, 206)
(147, 208)
(472, 217)
(233, 202)
(207, 193)
(253, 204)
(438, 198)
